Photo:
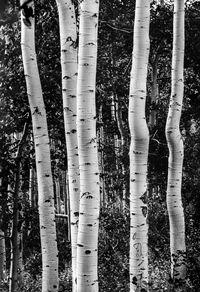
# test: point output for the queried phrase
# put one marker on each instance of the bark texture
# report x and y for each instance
(139, 150)
(175, 145)
(2, 256)
(69, 64)
(42, 153)
(154, 94)
(87, 279)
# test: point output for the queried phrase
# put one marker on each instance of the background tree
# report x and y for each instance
(113, 70)
(17, 222)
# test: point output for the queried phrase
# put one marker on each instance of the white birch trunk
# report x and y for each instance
(58, 198)
(2, 256)
(121, 143)
(43, 165)
(101, 159)
(69, 63)
(139, 150)
(175, 144)
(30, 189)
(87, 279)
(154, 94)
(2, 247)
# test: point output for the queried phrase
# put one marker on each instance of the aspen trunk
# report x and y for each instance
(2, 256)
(87, 278)
(33, 195)
(30, 189)
(101, 158)
(154, 94)
(175, 145)
(2, 239)
(32, 186)
(42, 153)
(4, 224)
(139, 150)
(69, 64)
(119, 144)
(122, 149)
(58, 198)
(116, 145)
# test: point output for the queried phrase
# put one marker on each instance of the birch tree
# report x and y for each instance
(139, 150)
(42, 153)
(2, 242)
(154, 92)
(175, 145)
(69, 64)
(87, 280)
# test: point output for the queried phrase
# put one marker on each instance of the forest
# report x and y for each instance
(99, 151)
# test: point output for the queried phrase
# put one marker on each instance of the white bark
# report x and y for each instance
(87, 279)
(43, 165)
(101, 158)
(32, 187)
(175, 144)
(139, 150)
(58, 198)
(69, 63)
(31, 182)
(154, 93)
(121, 144)
(2, 247)
(2, 256)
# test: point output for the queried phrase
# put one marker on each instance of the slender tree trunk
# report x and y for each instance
(101, 158)
(122, 149)
(2, 256)
(66, 202)
(175, 144)
(2, 239)
(119, 144)
(15, 272)
(43, 164)
(69, 63)
(116, 145)
(139, 150)
(58, 198)
(87, 278)
(154, 94)
(31, 190)
(68, 210)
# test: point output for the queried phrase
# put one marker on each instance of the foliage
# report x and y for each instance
(32, 248)
(113, 250)
(114, 63)
(31, 284)
(193, 259)
(64, 245)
